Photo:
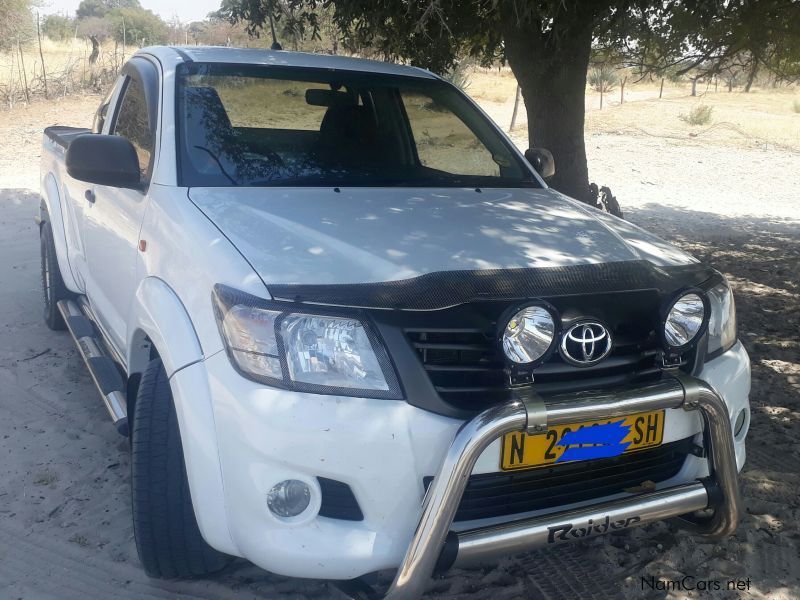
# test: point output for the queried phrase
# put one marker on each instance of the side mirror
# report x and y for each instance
(104, 160)
(542, 161)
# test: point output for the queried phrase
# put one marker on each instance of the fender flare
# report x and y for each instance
(158, 315)
(50, 210)
(159, 319)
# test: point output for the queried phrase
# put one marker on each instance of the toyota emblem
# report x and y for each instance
(585, 344)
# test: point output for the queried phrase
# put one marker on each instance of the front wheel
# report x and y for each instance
(168, 539)
(53, 287)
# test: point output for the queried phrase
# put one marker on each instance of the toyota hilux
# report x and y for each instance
(349, 328)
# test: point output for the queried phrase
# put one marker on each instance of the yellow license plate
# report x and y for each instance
(523, 451)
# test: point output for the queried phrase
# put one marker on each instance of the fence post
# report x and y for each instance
(41, 55)
(22, 68)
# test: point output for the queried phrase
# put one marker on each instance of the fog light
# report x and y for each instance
(739, 425)
(288, 498)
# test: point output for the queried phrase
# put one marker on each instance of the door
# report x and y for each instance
(113, 216)
(74, 199)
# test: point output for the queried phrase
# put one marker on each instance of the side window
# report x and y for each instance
(102, 110)
(132, 123)
(443, 141)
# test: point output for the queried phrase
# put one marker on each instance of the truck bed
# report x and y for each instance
(63, 135)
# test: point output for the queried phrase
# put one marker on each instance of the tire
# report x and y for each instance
(168, 539)
(53, 288)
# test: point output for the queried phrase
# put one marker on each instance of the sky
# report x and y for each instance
(187, 10)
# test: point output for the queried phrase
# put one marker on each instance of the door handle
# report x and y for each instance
(89, 195)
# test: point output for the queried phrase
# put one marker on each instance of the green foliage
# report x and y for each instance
(602, 79)
(58, 27)
(16, 22)
(137, 26)
(699, 115)
(100, 8)
(796, 106)
(459, 76)
(124, 20)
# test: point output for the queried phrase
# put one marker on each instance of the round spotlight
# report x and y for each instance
(288, 498)
(528, 334)
(684, 320)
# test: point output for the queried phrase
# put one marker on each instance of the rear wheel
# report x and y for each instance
(53, 287)
(168, 539)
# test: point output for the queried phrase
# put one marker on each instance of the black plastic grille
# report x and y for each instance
(338, 501)
(502, 494)
(467, 368)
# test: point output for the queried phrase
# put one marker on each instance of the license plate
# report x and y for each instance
(523, 451)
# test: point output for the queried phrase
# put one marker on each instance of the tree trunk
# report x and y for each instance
(552, 78)
(661, 89)
(622, 90)
(751, 76)
(517, 98)
(694, 86)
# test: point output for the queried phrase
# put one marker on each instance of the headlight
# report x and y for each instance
(685, 319)
(722, 324)
(303, 351)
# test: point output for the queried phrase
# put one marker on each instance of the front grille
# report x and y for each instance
(460, 351)
(467, 369)
(502, 494)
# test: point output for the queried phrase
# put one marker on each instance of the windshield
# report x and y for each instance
(273, 126)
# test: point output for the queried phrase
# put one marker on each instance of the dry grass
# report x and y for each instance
(66, 68)
(759, 116)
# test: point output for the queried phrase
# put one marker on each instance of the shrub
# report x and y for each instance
(699, 115)
(602, 79)
(459, 75)
(796, 106)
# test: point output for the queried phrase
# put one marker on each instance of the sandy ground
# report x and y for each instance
(65, 529)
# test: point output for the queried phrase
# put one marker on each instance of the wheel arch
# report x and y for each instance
(50, 212)
(158, 324)
(160, 327)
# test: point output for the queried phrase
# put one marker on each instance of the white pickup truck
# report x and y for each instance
(348, 328)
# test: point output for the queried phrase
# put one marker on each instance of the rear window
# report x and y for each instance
(273, 126)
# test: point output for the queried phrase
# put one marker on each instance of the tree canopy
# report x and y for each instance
(124, 20)
(100, 8)
(549, 43)
(16, 22)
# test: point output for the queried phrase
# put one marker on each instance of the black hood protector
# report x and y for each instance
(444, 289)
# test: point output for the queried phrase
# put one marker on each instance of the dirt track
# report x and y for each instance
(64, 517)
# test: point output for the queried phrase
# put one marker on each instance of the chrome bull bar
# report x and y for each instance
(434, 547)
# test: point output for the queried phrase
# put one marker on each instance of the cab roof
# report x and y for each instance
(282, 58)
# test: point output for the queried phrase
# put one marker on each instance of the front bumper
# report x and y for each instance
(381, 449)
(431, 549)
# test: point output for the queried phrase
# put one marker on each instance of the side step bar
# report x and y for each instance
(101, 367)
